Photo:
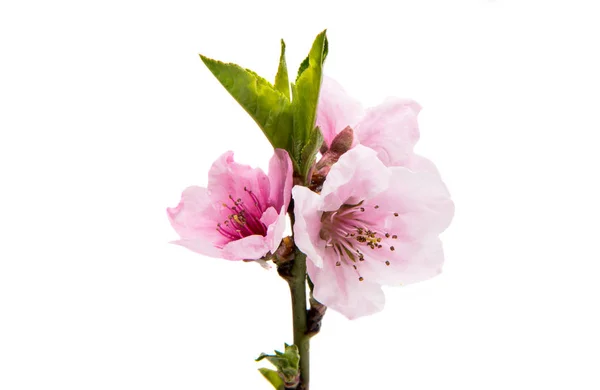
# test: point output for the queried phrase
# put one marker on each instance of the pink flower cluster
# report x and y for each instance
(375, 222)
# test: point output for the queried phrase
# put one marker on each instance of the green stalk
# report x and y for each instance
(301, 339)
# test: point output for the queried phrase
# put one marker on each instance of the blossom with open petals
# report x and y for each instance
(391, 128)
(371, 225)
(242, 212)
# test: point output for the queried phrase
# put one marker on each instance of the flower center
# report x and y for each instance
(351, 237)
(243, 221)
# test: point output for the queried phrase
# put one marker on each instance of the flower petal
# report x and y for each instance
(247, 248)
(422, 201)
(194, 217)
(228, 178)
(418, 163)
(391, 129)
(308, 223)
(340, 289)
(424, 264)
(410, 262)
(201, 246)
(275, 226)
(357, 175)
(280, 178)
(195, 220)
(336, 109)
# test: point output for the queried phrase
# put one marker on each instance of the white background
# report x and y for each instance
(107, 114)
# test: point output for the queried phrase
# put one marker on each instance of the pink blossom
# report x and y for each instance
(391, 128)
(371, 225)
(242, 212)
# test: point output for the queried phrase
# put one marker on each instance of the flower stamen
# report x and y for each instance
(349, 234)
(242, 222)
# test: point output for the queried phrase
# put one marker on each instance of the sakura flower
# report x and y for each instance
(391, 129)
(241, 214)
(371, 225)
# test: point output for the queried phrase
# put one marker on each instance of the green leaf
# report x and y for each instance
(309, 151)
(289, 125)
(305, 98)
(302, 68)
(273, 377)
(287, 363)
(269, 108)
(304, 63)
(282, 82)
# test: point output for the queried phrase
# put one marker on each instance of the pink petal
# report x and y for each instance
(270, 216)
(422, 201)
(194, 217)
(357, 175)
(280, 178)
(411, 262)
(228, 178)
(247, 248)
(201, 246)
(308, 224)
(391, 129)
(340, 289)
(194, 220)
(275, 223)
(336, 109)
(418, 163)
(422, 265)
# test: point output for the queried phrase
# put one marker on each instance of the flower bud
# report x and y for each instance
(340, 145)
(342, 142)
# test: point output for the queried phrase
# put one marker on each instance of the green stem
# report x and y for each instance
(296, 278)
(301, 338)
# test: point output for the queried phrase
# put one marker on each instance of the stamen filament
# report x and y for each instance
(350, 235)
